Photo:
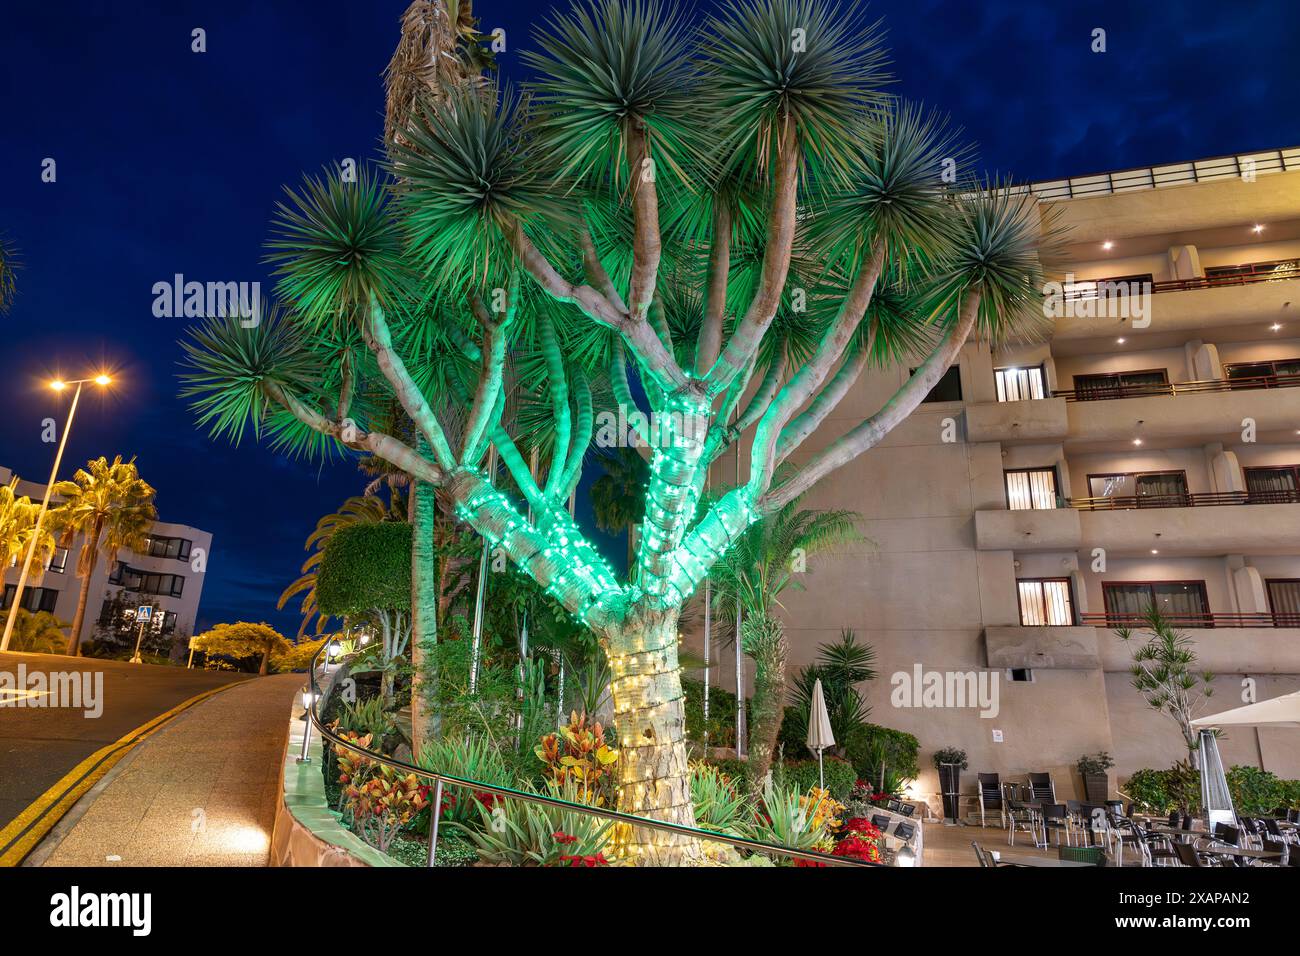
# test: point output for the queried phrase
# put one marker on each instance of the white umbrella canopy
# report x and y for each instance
(1276, 712)
(819, 729)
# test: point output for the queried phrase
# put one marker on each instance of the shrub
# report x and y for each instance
(243, 642)
(722, 714)
(578, 753)
(720, 801)
(298, 658)
(1161, 791)
(803, 775)
(888, 758)
(785, 820)
(521, 833)
(470, 758)
(1146, 788)
(1255, 792)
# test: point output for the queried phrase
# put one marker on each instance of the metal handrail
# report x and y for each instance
(1114, 286)
(441, 779)
(1208, 619)
(1101, 393)
(1165, 174)
(1193, 500)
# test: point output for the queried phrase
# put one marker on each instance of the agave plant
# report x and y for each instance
(523, 833)
(720, 804)
(687, 219)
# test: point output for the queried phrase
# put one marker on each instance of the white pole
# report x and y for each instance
(36, 533)
(740, 657)
(708, 638)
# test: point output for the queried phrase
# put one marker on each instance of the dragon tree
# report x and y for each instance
(705, 230)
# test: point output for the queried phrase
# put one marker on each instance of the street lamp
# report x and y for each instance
(58, 385)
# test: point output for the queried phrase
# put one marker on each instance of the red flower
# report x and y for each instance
(561, 837)
(596, 860)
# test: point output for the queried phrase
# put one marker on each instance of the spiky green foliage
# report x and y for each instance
(39, 633)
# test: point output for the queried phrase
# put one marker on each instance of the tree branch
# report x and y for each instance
(646, 244)
(709, 343)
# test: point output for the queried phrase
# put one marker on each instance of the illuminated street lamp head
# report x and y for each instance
(58, 385)
(102, 380)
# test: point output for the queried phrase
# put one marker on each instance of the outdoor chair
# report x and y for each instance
(1226, 833)
(990, 796)
(1124, 832)
(1042, 787)
(1187, 854)
(1023, 818)
(1276, 846)
(1056, 818)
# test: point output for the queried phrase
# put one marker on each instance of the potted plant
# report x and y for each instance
(1096, 783)
(950, 762)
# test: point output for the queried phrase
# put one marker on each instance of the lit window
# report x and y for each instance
(1045, 602)
(1031, 489)
(1019, 384)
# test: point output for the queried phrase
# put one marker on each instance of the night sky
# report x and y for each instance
(170, 162)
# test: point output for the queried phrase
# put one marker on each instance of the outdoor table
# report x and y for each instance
(1247, 852)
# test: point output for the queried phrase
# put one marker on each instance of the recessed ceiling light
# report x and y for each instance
(1120, 340)
(1275, 326)
(1155, 550)
(1137, 441)
(1108, 245)
(1258, 228)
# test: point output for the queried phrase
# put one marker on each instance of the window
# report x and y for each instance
(947, 389)
(34, 599)
(59, 562)
(1144, 489)
(1019, 384)
(1278, 485)
(1020, 675)
(1183, 602)
(178, 548)
(1045, 602)
(1263, 374)
(1031, 488)
(1121, 384)
(1284, 601)
(147, 582)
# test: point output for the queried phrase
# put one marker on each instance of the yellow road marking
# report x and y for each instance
(30, 826)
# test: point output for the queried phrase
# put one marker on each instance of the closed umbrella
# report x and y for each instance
(819, 729)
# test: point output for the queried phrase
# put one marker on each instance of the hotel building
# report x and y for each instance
(1148, 451)
(163, 575)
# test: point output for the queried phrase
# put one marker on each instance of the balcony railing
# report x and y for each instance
(1239, 166)
(1105, 393)
(1115, 286)
(1196, 500)
(1208, 619)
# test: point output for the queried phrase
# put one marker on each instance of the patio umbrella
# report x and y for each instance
(819, 729)
(1276, 712)
(1215, 798)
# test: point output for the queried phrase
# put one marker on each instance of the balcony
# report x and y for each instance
(1036, 421)
(1224, 643)
(1199, 411)
(1043, 529)
(1064, 648)
(1195, 500)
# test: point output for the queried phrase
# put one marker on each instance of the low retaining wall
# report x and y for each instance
(307, 831)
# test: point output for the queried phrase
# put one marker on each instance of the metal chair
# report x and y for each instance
(1056, 818)
(1187, 854)
(1023, 818)
(1042, 787)
(990, 797)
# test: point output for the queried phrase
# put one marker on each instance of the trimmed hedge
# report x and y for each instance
(365, 567)
(840, 776)
(1255, 792)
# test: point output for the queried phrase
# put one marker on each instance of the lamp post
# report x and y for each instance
(58, 385)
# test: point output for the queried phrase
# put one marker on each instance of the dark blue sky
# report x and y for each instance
(170, 161)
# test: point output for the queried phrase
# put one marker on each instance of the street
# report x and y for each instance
(39, 745)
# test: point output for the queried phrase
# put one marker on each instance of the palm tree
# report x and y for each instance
(8, 266)
(761, 565)
(112, 507)
(39, 633)
(618, 496)
(17, 524)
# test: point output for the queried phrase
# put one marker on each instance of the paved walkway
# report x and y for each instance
(200, 792)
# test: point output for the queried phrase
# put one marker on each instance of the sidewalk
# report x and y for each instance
(201, 792)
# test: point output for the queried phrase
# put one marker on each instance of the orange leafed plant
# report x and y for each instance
(578, 752)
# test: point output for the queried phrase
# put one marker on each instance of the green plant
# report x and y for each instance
(382, 804)
(950, 755)
(298, 658)
(803, 775)
(887, 758)
(39, 633)
(1255, 792)
(785, 819)
(841, 665)
(364, 717)
(523, 833)
(721, 725)
(1097, 763)
(469, 758)
(577, 754)
(720, 803)
(1160, 791)
(1164, 672)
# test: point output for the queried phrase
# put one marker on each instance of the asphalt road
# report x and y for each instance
(39, 745)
